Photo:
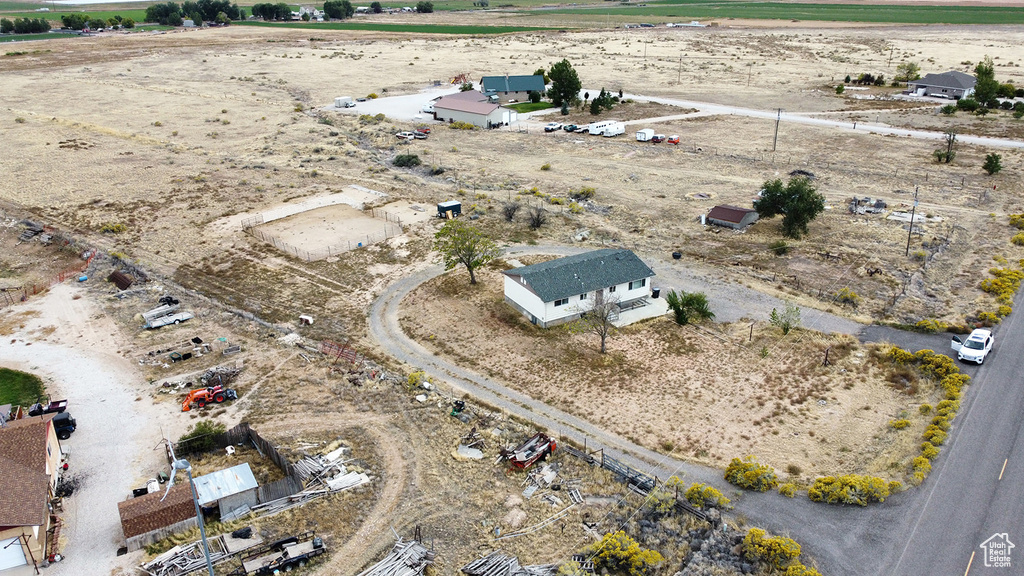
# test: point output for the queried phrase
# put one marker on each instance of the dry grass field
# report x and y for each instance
(179, 135)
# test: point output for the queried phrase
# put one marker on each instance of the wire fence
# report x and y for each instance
(392, 227)
(389, 231)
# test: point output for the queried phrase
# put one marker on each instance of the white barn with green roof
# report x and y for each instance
(559, 291)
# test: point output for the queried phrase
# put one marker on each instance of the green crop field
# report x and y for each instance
(414, 28)
(19, 388)
(137, 15)
(694, 9)
(27, 37)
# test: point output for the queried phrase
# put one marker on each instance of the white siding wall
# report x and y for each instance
(458, 116)
(547, 312)
(524, 298)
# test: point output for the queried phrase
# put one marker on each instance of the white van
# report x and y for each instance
(644, 135)
(597, 128)
(614, 129)
(344, 102)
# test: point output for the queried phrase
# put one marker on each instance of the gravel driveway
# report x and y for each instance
(113, 445)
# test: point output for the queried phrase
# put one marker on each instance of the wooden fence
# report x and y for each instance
(244, 434)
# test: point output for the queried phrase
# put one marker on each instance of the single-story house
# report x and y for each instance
(29, 467)
(473, 108)
(510, 88)
(952, 84)
(229, 490)
(151, 517)
(561, 290)
(732, 216)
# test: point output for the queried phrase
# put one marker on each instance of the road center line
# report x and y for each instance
(969, 564)
(1004, 468)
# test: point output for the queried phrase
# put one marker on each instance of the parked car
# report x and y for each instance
(658, 138)
(64, 425)
(552, 126)
(405, 135)
(570, 127)
(44, 405)
(424, 129)
(975, 348)
(582, 129)
(673, 139)
(420, 135)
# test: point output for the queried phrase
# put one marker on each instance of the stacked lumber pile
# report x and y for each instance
(498, 564)
(407, 558)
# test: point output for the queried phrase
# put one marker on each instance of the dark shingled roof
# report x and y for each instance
(512, 83)
(147, 513)
(574, 275)
(951, 79)
(24, 484)
(727, 213)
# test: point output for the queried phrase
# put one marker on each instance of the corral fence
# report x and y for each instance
(392, 227)
(240, 435)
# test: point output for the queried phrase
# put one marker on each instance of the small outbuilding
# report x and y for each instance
(153, 517)
(449, 210)
(732, 216)
(228, 490)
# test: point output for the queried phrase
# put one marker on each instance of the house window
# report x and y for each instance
(637, 284)
(49, 452)
(583, 296)
(561, 302)
(612, 289)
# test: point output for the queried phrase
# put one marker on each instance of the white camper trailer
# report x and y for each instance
(644, 135)
(614, 129)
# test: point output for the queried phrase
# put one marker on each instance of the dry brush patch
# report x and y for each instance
(691, 393)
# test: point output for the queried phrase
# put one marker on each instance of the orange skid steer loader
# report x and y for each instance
(204, 396)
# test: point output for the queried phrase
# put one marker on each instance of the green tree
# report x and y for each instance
(376, 8)
(6, 26)
(565, 84)
(993, 163)
(424, 7)
(797, 201)
(687, 306)
(175, 19)
(128, 23)
(534, 96)
(305, 17)
(222, 18)
(786, 320)
(78, 20)
(200, 436)
(460, 243)
(97, 23)
(907, 72)
(564, 109)
(540, 72)
(986, 88)
(339, 9)
(196, 18)
(466, 87)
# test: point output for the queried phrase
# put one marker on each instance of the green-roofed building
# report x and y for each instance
(559, 291)
(509, 88)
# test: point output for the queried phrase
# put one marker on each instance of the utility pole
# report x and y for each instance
(889, 63)
(679, 75)
(777, 120)
(750, 68)
(911, 229)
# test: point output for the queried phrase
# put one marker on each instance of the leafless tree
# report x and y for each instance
(510, 209)
(537, 217)
(598, 318)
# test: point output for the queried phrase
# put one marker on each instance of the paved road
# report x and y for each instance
(928, 531)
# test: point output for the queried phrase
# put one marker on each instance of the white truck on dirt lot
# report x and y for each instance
(176, 318)
(644, 135)
(344, 102)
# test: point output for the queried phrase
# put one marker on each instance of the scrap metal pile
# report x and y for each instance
(407, 558)
(497, 564)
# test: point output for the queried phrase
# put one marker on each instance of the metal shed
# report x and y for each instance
(229, 489)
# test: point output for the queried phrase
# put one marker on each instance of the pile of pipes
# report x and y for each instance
(407, 558)
(497, 564)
